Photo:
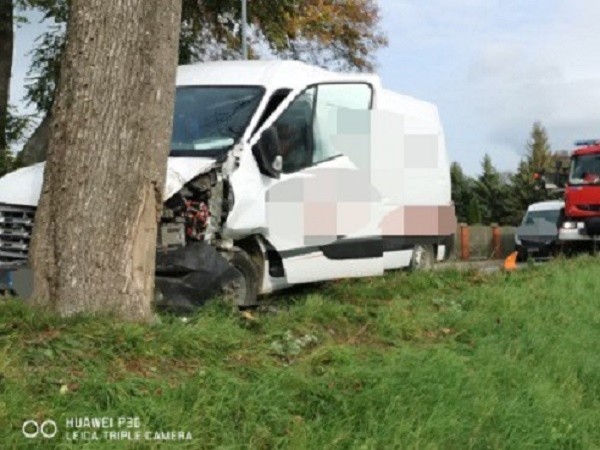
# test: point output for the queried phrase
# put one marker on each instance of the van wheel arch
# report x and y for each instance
(243, 292)
(252, 247)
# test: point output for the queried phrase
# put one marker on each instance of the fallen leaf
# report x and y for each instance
(248, 316)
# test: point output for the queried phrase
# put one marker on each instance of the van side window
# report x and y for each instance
(295, 132)
(331, 99)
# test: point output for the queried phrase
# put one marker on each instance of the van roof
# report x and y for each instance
(545, 206)
(421, 116)
(274, 74)
(425, 113)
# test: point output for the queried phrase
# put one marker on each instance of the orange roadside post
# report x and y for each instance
(510, 263)
(496, 245)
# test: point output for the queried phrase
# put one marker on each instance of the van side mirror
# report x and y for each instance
(267, 153)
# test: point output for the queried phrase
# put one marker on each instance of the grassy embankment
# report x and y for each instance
(444, 360)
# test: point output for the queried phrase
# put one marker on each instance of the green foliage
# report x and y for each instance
(16, 130)
(524, 190)
(56, 10)
(539, 154)
(328, 33)
(484, 200)
(503, 198)
(492, 194)
(428, 360)
(462, 192)
(324, 32)
(17, 127)
(45, 68)
(474, 212)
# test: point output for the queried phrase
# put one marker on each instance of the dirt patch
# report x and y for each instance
(486, 266)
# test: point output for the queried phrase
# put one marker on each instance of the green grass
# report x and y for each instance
(442, 360)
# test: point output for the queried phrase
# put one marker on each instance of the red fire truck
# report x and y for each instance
(580, 226)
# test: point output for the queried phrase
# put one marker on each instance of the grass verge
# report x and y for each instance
(437, 360)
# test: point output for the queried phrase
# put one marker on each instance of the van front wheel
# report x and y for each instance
(243, 290)
(423, 258)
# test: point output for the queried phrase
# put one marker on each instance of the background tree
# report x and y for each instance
(323, 32)
(492, 194)
(93, 248)
(474, 212)
(462, 192)
(524, 192)
(539, 154)
(17, 127)
(329, 33)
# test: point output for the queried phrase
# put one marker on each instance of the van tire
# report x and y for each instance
(522, 255)
(423, 258)
(242, 291)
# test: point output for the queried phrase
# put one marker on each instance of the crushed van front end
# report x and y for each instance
(192, 255)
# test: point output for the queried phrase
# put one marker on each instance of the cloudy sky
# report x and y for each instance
(493, 67)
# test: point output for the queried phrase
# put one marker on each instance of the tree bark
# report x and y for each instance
(93, 248)
(6, 54)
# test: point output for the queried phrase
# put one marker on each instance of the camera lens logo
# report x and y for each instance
(32, 429)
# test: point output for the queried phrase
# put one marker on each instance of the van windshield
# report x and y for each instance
(208, 120)
(585, 169)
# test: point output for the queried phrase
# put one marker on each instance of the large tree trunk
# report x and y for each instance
(93, 248)
(6, 53)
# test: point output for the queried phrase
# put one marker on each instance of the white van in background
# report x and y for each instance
(537, 236)
(289, 174)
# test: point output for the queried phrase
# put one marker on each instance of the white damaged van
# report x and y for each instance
(286, 173)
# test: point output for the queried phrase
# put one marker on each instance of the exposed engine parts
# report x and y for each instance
(197, 212)
(196, 216)
(187, 214)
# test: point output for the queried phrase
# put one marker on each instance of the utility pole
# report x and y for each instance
(244, 25)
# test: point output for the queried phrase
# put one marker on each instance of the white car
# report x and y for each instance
(537, 236)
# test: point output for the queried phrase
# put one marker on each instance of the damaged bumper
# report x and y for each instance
(187, 277)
